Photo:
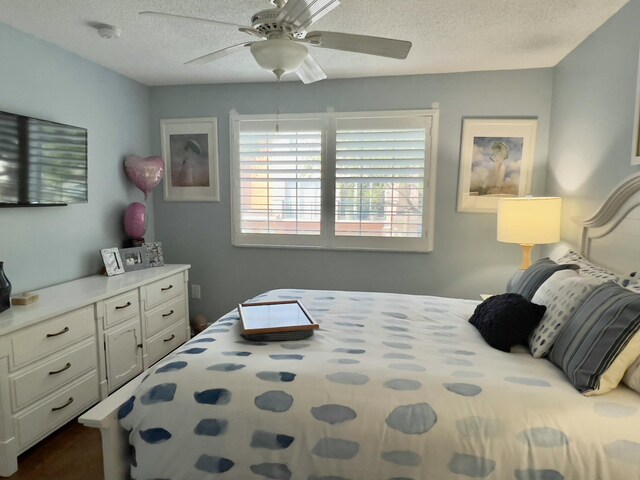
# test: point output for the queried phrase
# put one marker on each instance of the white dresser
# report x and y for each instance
(78, 343)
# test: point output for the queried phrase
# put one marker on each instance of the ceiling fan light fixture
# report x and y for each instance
(279, 54)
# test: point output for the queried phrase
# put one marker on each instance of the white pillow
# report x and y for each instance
(587, 268)
(634, 288)
(562, 294)
(632, 375)
(631, 281)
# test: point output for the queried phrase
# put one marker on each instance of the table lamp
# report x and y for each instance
(529, 221)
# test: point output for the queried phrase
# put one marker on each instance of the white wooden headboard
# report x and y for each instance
(611, 236)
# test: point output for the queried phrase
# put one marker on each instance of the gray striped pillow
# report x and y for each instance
(530, 280)
(600, 340)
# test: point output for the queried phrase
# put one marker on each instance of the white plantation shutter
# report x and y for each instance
(380, 175)
(280, 175)
(334, 180)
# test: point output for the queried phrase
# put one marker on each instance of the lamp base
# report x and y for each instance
(526, 255)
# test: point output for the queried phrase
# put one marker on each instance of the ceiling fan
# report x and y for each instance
(283, 39)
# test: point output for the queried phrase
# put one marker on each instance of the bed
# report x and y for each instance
(390, 387)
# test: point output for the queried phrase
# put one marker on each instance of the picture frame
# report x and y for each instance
(635, 149)
(496, 160)
(155, 255)
(134, 258)
(190, 152)
(112, 261)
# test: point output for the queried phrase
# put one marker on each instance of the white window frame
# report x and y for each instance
(327, 240)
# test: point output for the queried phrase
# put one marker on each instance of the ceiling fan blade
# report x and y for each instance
(252, 31)
(310, 71)
(383, 47)
(210, 57)
(197, 19)
(302, 13)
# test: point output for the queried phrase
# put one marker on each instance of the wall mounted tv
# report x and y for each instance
(42, 163)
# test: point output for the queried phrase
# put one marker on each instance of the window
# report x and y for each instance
(336, 180)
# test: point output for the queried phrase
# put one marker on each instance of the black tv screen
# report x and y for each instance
(41, 163)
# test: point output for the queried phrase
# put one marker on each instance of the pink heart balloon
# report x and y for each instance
(145, 173)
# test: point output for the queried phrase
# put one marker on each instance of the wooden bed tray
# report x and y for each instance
(607, 237)
(283, 320)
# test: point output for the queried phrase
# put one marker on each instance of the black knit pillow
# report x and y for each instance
(506, 320)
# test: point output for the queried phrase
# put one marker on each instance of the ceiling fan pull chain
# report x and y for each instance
(278, 108)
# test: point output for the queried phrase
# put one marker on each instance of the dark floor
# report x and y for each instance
(73, 452)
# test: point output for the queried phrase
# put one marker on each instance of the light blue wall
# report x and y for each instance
(594, 90)
(44, 246)
(589, 151)
(466, 261)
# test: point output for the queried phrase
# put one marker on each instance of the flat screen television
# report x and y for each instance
(42, 163)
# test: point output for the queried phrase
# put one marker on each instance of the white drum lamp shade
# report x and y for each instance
(529, 221)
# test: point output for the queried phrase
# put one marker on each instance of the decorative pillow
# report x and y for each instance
(506, 320)
(634, 288)
(600, 340)
(587, 268)
(534, 276)
(631, 281)
(515, 278)
(632, 375)
(562, 294)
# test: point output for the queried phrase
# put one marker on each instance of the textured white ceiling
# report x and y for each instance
(447, 35)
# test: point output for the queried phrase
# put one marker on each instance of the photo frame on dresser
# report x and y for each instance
(135, 258)
(112, 261)
(154, 254)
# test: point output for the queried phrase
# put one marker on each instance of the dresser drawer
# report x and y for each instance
(120, 308)
(56, 410)
(165, 342)
(157, 292)
(164, 316)
(38, 341)
(47, 377)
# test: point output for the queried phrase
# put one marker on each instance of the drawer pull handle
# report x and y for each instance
(64, 330)
(168, 314)
(120, 307)
(66, 367)
(167, 288)
(170, 338)
(69, 402)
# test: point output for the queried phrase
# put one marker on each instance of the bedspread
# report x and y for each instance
(390, 387)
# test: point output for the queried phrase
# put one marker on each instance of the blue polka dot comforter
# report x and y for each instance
(391, 387)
